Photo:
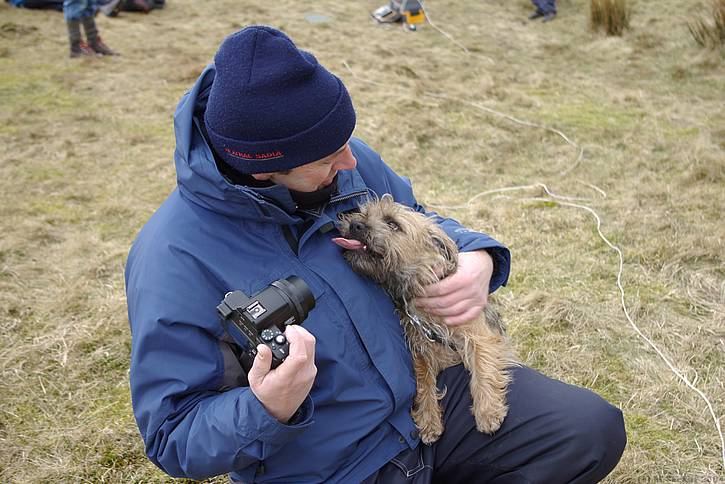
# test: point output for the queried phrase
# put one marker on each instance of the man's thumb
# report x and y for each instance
(261, 366)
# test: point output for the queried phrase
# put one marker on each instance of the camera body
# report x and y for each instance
(262, 318)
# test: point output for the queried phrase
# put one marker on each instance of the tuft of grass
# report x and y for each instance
(612, 16)
(708, 30)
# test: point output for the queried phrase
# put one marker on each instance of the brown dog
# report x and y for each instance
(404, 251)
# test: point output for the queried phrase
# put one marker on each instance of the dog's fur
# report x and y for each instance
(405, 251)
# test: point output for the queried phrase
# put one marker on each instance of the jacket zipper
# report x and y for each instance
(293, 241)
(344, 198)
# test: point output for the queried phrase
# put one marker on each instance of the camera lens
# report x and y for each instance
(298, 295)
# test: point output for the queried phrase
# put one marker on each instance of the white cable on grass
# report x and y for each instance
(594, 187)
(561, 201)
(441, 31)
(490, 111)
(503, 190)
(517, 121)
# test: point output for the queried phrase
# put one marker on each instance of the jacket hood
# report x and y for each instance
(200, 181)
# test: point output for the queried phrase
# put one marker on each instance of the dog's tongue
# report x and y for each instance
(349, 244)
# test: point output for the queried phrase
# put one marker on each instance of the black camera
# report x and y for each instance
(261, 319)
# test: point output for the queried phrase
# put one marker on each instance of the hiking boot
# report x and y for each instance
(80, 49)
(100, 48)
(549, 17)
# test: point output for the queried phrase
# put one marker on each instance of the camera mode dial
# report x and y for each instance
(277, 342)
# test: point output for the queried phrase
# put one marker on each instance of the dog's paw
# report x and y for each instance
(490, 421)
(430, 434)
(430, 423)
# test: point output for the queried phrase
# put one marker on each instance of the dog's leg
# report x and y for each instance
(486, 358)
(427, 413)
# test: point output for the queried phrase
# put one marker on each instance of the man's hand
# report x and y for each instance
(460, 297)
(282, 390)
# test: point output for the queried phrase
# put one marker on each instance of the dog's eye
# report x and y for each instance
(393, 226)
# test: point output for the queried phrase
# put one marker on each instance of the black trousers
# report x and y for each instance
(554, 433)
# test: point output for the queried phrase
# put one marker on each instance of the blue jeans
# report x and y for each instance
(553, 433)
(545, 6)
(78, 9)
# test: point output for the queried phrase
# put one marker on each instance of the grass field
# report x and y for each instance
(85, 158)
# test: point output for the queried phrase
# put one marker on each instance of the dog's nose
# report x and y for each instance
(357, 228)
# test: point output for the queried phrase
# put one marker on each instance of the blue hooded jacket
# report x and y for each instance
(209, 237)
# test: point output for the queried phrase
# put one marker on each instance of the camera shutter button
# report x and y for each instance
(280, 339)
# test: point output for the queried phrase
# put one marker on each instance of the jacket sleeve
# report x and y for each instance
(402, 191)
(190, 427)
(469, 240)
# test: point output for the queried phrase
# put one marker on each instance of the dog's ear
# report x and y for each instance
(446, 248)
(387, 198)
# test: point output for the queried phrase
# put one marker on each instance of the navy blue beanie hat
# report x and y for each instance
(272, 107)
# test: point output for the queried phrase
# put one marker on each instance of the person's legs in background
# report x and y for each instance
(72, 12)
(545, 9)
(75, 13)
(550, 9)
(94, 40)
(539, 12)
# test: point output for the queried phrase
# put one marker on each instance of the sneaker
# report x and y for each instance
(100, 48)
(111, 8)
(386, 15)
(80, 49)
(537, 14)
(549, 17)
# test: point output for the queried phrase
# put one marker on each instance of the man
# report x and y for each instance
(265, 163)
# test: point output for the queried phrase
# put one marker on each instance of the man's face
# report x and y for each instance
(313, 176)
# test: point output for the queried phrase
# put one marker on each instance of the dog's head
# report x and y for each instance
(399, 248)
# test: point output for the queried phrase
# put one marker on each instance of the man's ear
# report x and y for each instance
(262, 176)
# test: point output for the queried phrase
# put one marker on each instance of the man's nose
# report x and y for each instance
(346, 160)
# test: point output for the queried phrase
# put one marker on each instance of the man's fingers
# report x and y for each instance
(450, 310)
(309, 344)
(444, 302)
(293, 338)
(460, 307)
(438, 301)
(302, 343)
(261, 365)
(440, 288)
(463, 318)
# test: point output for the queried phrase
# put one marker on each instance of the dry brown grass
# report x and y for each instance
(85, 150)
(708, 30)
(612, 16)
